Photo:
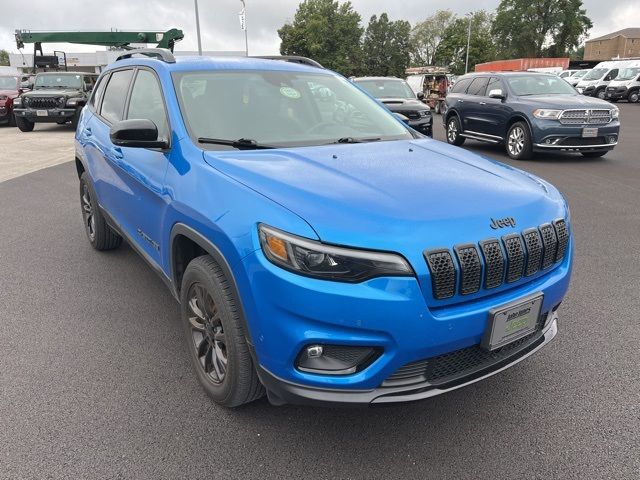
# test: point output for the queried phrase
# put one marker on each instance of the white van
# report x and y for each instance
(626, 86)
(596, 81)
(577, 76)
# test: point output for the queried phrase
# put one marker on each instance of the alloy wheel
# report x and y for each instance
(601, 94)
(207, 333)
(633, 97)
(515, 142)
(87, 213)
(452, 131)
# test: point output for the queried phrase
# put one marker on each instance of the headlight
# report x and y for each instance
(17, 102)
(315, 259)
(72, 102)
(615, 113)
(3, 98)
(547, 114)
(424, 113)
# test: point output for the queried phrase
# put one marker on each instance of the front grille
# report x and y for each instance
(582, 142)
(413, 115)
(458, 366)
(44, 102)
(591, 117)
(498, 260)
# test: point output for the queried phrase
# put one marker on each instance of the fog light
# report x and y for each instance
(612, 139)
(335, 359)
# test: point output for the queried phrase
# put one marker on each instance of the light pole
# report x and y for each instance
(243, 25)
(198, 29)
(466, 64)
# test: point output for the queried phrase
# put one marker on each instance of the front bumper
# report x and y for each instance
(53, 115)
(5, 114)
(589, 91)
(423, 125)
(281, 392)
(616, 93)
(286, 313)
(552, 135)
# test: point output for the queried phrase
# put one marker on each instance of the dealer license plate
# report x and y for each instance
(42, 113)
(512, 322)
(589, 132)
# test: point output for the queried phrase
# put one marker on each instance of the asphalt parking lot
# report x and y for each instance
(95, 380)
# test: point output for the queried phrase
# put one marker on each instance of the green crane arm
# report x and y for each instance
(107, 39)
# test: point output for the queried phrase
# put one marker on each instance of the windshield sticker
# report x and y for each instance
(290, 92)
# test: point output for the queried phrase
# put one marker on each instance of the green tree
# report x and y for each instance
(328, 32)
(427, 35)
(452, 51)
(535, 28)
(4, 58)
(387, 46)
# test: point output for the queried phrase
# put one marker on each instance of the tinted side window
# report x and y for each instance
(115, 95)
(494, 84)
(478, 86)
(147, 102)
(97, 92)
(461, 85)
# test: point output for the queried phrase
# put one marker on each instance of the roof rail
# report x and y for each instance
(159, 53)
(292, 59)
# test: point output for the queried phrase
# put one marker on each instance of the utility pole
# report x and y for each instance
(198, 29)
(466, 65)
(243, 26)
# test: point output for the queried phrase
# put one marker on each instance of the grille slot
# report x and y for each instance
(470, 268)
(515, 256)
(443, 273)
(44, 102)
(534, 251)
(562, 233)
(463, 363)
(550, 243)
(493, 263)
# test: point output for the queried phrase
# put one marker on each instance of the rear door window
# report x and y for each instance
(97, 92)
(115, 95)
(478, 86)
(494, 84)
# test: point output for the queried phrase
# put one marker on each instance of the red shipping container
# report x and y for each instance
(522, 64)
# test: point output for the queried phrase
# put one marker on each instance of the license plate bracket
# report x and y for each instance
(589, 132)
(511, 322)
(42, 113)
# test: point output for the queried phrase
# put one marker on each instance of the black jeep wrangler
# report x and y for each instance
(56, 97)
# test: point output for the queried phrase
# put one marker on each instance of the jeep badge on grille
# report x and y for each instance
(503, 222)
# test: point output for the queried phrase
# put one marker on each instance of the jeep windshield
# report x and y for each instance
(239, 109)
(58, 81)
(595, 74)
(523, 85)
(628, 73)
(386, 88)
(8, 83)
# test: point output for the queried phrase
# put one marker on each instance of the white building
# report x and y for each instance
(96, 61)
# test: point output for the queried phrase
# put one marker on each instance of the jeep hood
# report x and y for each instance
(416, 194)
(58, 92)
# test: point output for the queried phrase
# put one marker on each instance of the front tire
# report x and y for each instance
(453, 131)
(99, 233)
(215, 336)
(634, 96)
(600, 93)
(24, 125)
(518, 144)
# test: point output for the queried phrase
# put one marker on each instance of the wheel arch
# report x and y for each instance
(518, 117)
(80, 167)
(186, 243)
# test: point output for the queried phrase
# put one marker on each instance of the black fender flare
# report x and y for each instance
(211, 249)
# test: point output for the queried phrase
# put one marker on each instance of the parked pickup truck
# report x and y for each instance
(56, 98)
(9, 90)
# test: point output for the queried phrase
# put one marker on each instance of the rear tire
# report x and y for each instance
(594, 154)
(437, 108)
(453, 131)
(518, 143)
(12, 120)
(101, 236)
(215, 336)
(24, 125)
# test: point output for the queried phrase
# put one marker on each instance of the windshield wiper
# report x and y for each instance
(356, 140)
(240, 144)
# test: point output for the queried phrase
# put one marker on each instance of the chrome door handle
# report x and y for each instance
(483, 103)
(460, 101)
(87, 131)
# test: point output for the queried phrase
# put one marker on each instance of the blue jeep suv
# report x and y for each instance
(529, 112)
(322, 252)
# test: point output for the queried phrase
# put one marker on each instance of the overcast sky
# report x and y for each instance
(219, 18)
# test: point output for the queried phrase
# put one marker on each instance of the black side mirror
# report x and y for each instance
(420, 95)
(140, 133)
